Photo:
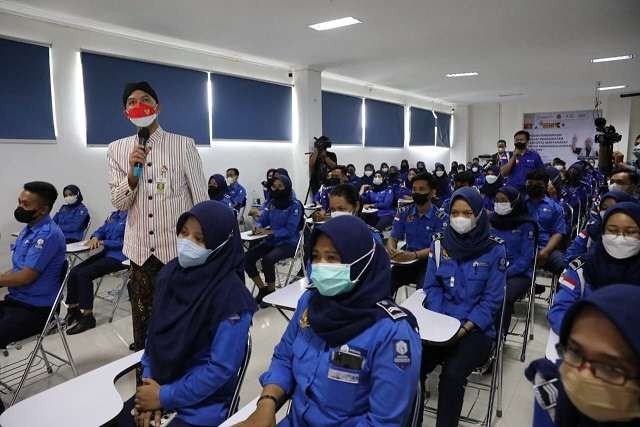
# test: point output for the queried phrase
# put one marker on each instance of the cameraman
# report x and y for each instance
(321, 162)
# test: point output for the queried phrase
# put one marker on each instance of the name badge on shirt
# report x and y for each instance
(162, 183)
(344, 376)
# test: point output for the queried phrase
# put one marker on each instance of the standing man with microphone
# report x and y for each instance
(156, 176)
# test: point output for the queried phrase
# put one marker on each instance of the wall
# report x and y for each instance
(489, 122)
(68, 160)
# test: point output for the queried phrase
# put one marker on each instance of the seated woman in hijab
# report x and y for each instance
(404, 169)
(255, 212)
(349, 355)
(478, 173)
(367, 177)
(512, 223)
(493, 181)
(615, 259)
(443, 185)
(284, 215)
(591, 233)
(73, 217)
(378, 195)
(465, 279)
(198, 333)
(218, 190)
(599, 370)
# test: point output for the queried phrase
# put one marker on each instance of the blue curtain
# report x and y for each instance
(384, 124)
(26, 108)
(250, 109)
(423, 127)
(444, 129)
(342, 118)
(182, 94)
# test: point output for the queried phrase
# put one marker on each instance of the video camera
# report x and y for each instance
(606, 136)
(322, 143)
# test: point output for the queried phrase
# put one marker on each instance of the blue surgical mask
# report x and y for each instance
(334, 279)
(192, 255)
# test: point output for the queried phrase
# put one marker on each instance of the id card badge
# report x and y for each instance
(162, 183)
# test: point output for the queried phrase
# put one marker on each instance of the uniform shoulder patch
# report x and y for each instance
(401, 354)
(497, 239)
(576, 264)
(440, 214)
(392, 309)
(438, 236)
(39, 244)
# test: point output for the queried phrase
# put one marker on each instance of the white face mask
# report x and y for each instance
(231, 180)
(636, 151)
(377, 181)
(502, 208)
(491, 179)
(618, 187)
(559, 167)
(336, 214)
(385, 170)
(501, 149)
(368, 172)
(462, 224)
(620, 247)
(474, 170)
(439, 173)
(70, 200)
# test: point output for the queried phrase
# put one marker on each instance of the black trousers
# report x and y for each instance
(19, 321)
(81, 277)
(555, 264)
(458, 362)
(379, 222)
(517, 287)
(270, 255)
(407, 274)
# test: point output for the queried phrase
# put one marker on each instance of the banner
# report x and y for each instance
(568, 135)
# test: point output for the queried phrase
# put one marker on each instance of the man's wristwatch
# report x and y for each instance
(270, 397)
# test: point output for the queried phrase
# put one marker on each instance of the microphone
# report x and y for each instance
(143, 137)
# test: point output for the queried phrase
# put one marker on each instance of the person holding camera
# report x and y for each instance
(321, 162)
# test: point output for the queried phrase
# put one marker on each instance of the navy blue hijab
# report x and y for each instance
(287, 200)
(340, 318)
(190, 303)
(221, 188)
(594, 227)
(75, 190)
(600, 268)
(518, 216)
(441, 182)
(491, 189)
(462, 247)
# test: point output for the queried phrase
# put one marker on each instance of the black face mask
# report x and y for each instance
(520, 145)
(536, 191)
(215, 193)
(280, 194)
(420, 198)
(404, 167)
(23, 215)
(332, 181)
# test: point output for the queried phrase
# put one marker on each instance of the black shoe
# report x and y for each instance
(540, 289)
(84, 324)
(73, 316)
(132, 346)
(263, 292)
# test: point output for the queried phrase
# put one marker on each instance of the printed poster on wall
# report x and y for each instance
(565, 134)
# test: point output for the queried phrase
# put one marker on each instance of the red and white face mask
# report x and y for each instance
(142, 115)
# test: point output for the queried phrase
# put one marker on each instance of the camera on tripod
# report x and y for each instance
(322, 143)
(606, 134)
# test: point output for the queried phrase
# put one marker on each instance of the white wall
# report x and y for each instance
(634, 124)
(489, 122)
(69, 160)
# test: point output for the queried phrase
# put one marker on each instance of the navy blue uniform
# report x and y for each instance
(81, 277)
(73, 221)
(42, 248)
(550, 218)
(326, 394)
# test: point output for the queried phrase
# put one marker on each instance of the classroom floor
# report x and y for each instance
(110, 341)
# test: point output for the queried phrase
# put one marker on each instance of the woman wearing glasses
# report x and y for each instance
(597, 382)
(615, 259)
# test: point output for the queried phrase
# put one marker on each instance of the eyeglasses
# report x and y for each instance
(607, 373)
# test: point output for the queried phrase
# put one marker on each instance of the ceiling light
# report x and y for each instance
(612, 58)
(334, 23)
(612, 87)
(473, 73)
(506, 95)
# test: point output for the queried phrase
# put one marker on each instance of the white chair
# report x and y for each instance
(115, 295)
(14, 375)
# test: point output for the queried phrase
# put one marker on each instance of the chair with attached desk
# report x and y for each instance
(14, 375)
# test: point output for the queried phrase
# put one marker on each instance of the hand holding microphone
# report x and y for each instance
(138, 157)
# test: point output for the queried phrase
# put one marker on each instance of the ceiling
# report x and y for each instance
(533, 47)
